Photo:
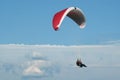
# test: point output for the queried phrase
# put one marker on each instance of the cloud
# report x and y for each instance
(33, 70)
(49, 61)
(115, 42)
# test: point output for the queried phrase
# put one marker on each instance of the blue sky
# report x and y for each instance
(30, 22)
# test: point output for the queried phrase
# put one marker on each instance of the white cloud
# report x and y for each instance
(115, 42)
(33, 70)
(50, 60)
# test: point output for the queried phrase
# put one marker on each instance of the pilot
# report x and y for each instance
(80, 64)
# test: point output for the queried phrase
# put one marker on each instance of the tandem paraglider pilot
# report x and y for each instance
(80, 64)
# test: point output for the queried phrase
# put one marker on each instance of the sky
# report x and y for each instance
(28, 41)
(30, 22)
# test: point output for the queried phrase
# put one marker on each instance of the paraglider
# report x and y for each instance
(76, 15)
(80, 64)
(72, 12)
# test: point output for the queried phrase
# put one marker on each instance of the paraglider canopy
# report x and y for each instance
(72, 12)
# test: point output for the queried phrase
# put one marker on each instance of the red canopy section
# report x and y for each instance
(72, 12)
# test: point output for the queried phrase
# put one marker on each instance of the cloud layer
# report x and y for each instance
(54, 61)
